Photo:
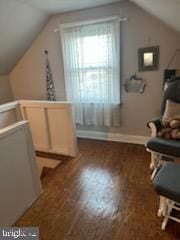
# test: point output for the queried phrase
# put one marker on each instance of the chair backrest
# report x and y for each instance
(172, 92)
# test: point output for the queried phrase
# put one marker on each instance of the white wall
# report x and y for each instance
(5, 90)
(142, 30)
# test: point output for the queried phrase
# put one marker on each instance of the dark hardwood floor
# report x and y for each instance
(103, 194)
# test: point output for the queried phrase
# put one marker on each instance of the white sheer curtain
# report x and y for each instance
(92, 75)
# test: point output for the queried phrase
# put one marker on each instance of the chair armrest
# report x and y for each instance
(155, 125)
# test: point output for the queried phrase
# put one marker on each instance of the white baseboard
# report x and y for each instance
(112, 137)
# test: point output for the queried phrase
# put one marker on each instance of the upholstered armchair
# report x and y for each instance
(163, 149)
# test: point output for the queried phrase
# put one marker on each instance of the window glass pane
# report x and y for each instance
(93, 50)
(94, 88)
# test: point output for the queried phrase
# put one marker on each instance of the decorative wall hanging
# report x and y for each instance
(49, 80)
(135, 84)
(173, 68)
(148, 59)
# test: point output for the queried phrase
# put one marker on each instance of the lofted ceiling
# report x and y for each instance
(22, 20)
(19, 25)
(59, 6)
(166, 10)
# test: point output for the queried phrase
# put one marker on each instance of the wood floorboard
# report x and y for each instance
(103, 194)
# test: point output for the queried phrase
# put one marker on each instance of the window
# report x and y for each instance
(91, 63)
(94, 67)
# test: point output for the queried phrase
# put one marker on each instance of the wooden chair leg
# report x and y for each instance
(162, 207)
(156, 163)
(167, 213)
(153, 161)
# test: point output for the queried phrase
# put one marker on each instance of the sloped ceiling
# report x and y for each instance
(22, 20)
(59, 6)
(19, 25)
(166, 10)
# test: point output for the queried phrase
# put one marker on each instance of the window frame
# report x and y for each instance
(96, 21)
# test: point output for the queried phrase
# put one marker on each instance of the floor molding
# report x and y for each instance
(112, 137)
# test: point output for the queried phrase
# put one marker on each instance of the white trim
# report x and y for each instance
(43, 104)
(8, 106)
(117, 137)
(92, 21)
(6, 131)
